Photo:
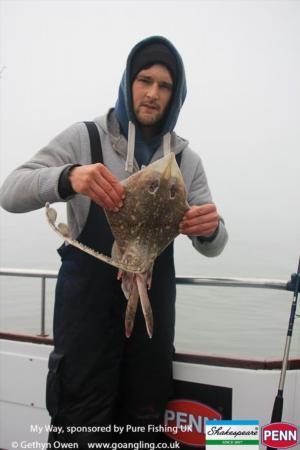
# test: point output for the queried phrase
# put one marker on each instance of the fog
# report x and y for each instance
(62, 61)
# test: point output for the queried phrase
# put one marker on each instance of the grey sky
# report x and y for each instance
(64, 61)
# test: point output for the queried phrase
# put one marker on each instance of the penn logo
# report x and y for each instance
(185, 421)
(279, 435)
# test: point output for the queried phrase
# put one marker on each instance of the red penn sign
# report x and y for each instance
(185, 421)
(279, 435)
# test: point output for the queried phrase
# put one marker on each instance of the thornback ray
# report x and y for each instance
(144, 226)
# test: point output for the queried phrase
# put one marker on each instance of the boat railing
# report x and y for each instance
(190, 280)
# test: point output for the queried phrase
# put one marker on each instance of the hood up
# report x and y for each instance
(137, 146)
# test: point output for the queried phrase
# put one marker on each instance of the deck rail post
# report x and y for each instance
(43, 307)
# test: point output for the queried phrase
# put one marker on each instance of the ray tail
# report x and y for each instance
(131, 309)
(141, 280)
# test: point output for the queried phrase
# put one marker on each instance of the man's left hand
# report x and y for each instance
(200, 221)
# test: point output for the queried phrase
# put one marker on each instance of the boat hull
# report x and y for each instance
(232, 388)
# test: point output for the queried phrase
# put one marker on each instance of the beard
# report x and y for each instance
(148, 116)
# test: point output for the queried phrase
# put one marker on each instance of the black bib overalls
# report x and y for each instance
(97, 377)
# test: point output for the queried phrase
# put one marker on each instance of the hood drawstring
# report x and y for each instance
(131, 145)
(167, 144)
(130, 148)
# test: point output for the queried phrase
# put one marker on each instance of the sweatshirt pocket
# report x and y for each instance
(54, 383)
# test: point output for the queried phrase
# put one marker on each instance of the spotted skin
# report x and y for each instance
(146, 224)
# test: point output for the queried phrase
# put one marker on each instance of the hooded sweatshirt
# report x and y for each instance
(36, 181)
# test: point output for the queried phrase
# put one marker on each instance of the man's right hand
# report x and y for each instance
(98, 183)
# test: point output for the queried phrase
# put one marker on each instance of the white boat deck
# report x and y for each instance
(23, 370)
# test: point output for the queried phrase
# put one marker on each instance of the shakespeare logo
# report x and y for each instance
(229, 433)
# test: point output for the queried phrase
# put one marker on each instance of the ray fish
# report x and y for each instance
(147, 223)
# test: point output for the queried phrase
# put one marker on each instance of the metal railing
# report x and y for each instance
(195, 281)
(32, 273)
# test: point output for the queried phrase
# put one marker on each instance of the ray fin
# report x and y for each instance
(62, 231)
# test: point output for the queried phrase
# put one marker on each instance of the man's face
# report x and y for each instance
(151, 94)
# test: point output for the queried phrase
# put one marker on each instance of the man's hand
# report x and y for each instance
(200, 221)
(98, 183)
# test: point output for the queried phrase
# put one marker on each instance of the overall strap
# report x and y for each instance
(95, 142)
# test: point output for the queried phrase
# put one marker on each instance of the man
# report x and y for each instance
(97, 377)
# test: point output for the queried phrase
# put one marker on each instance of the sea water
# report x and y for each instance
(233, 322)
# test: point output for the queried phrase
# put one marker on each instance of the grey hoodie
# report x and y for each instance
(34, 183)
